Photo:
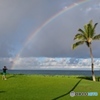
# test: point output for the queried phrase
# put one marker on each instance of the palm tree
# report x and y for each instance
(87, 35)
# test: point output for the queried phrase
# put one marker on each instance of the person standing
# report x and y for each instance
(4, 73)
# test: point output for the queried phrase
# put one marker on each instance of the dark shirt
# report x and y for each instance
(4, 70)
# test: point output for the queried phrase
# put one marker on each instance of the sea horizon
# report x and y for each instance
(53, 72)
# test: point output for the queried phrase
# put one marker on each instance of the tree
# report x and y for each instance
(87, 35)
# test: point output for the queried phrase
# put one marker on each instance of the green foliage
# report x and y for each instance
(87, 35)
(77, 44)
(41, 87)
(97, 37)
(79, 37)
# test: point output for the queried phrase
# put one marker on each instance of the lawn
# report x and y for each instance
(44, 87)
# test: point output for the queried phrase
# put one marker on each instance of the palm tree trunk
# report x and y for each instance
(92, 62)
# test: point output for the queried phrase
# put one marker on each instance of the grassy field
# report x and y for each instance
(39, 87)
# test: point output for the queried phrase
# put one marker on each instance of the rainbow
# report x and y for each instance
(30, 37)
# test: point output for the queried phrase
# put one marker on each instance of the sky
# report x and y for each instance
(38, 34)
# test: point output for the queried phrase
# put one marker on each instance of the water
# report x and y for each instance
(54, 72)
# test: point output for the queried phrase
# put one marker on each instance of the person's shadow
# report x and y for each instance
(2, 91)
(69, 91)
(10, 76)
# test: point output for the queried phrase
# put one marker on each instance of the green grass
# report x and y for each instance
(39, 87)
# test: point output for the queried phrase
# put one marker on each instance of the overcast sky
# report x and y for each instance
(54, 24)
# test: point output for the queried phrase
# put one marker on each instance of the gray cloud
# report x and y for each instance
(56, 38)
(18, 19)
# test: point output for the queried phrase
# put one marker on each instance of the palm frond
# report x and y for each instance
(95, 25)
(90, 29)
(77, 44)
(96, 37)
(90, 22)
(80, 30)
(86, 31)
(83, 32)
(79, 36)
(85, 28)
(93, 29)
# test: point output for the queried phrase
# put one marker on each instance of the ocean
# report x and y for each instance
(54, 72)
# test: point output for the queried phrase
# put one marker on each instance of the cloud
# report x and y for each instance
(34, 63)
(56, 39)
(5, 61)
(97, 6)
(49, 63)
(88, 9)
(18, 19)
